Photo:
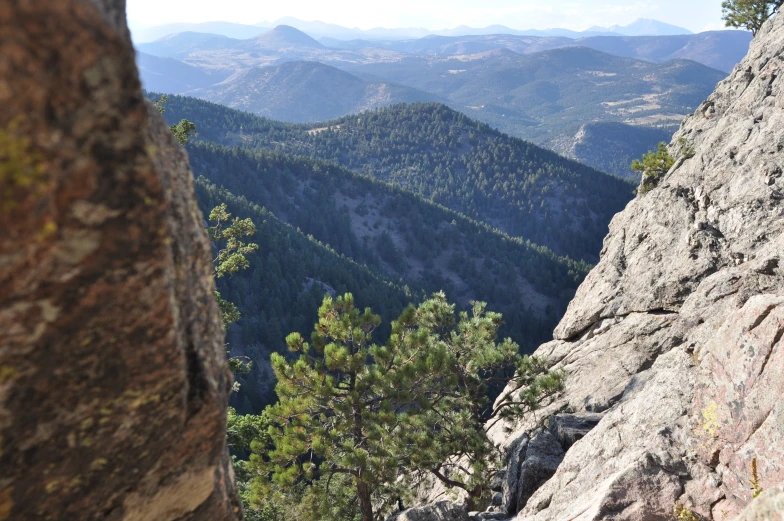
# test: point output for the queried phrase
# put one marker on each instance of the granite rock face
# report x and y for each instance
(674, 341)
(113, 380)
(532, 462)
(440, 511)
(769, 506)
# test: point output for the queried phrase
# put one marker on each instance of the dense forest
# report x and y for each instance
(449, 159)
(346, 232)
(415, 205)
(283, 287)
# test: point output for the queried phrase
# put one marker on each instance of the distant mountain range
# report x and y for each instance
(718, 49)
(317, 29)
(302, 92)
(541, 89)
(172, 76)
(239, 31)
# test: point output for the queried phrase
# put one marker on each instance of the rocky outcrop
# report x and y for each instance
(769, 506)
(675, 338)
(113, 380)
(440, 511)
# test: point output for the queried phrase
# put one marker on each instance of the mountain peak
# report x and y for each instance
(649, 27)
(285, 35)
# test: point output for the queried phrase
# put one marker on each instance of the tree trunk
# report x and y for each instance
(365, 505)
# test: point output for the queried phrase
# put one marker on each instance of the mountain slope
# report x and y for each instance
(172, 76)
(446, 157)
(324, 229)
(721, 50)
(611, 147)
(282, 37)
(457, 45)
(543, 96)
(549, 94)
(227, 29)
(305, 92)
(181, 45)
(647, 27)
(673, 345)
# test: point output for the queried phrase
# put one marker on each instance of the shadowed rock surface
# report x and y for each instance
(675, 338)
(440, 511)
(113, 379)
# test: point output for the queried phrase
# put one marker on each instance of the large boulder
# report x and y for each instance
(675, 337)
(769, 506)
(440, 511)
(113, 378)
(533, 461)
(568, 429)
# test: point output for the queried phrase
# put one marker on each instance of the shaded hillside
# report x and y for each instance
(720, 50)
(173, 76)
(394, 231)
(450, 159)
(322, 228)
(306, 92)
(611, 147)
(284, 286)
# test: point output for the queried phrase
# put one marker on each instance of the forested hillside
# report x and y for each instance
(611, 147)
(283, 287)
(447, 158)
(345, 232)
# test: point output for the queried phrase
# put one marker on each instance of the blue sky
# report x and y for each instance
(696, 15)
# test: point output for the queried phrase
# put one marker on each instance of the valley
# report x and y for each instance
(355, 217)
(327, 262)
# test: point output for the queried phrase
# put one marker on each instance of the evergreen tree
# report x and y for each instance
(373, 419)
(654, 166)
(183, 130)
(230, 258)
(749, 14)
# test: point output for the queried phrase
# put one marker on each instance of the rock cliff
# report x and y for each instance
(113, 380)
(674, 341)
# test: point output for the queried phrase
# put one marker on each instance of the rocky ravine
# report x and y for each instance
(674, 341)
(113, 378)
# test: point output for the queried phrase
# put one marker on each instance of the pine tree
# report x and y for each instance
(225, 235)
(749, 14)
(654, 166)
(378, 418)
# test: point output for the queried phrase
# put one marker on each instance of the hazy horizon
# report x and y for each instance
(434, 15)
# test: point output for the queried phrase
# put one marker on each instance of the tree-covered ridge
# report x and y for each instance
(447, 158)
(399, 233)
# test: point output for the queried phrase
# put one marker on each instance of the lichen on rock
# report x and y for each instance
(113, 378)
